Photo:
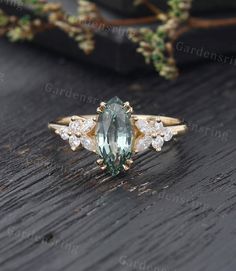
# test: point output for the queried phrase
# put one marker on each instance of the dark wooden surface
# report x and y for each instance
(174, 211)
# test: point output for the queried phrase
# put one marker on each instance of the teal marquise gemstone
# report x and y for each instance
(114, 135)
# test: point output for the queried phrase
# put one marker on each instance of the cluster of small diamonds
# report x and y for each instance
(153, 134)
(77, 134)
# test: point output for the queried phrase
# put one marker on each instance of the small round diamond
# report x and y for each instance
(157, 143)
(64, 133)
(88, 143)
(168, 134)
(74, 142)
(143, 143)
(75, 126)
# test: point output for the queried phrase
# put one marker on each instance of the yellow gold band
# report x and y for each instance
(176, 125)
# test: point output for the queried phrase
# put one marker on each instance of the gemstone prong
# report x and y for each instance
(73, 118)
(129, 162)
(130, 110)
(103, 104)
(103, 167)
(126, 167)
(101, 108)
(127, 107)
(100, 162)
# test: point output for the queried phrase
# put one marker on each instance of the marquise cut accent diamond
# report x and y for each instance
(75, 126)
(143, 126)
(158, 126)
(143, 143)
(88, 143)
(74, 142)
(64, 133)
(153, 134)
(88, 125)
(77, 132)
(168, 134)
(157, 143)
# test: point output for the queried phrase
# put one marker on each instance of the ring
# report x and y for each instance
(115, 133)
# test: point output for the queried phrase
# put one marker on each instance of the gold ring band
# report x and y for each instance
(173, 123)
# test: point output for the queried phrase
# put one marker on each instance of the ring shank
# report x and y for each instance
(176, 125)
(167, 121)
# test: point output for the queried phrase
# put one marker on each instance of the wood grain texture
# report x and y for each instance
(173, 211)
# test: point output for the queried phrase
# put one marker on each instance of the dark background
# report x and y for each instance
(173, 211)
(115, 51)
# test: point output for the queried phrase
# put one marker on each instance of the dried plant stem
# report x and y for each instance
(210, 23)
(192, 23)
(198, 23)
(130, 22)
(153, 8)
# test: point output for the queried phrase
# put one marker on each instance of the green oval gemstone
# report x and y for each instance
(114, 136)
